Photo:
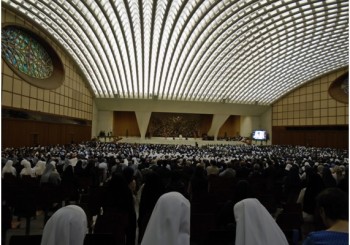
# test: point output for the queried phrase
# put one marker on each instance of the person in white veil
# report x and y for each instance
(67, 226)
(50, 175)
(255, 225)
(27, 169)
(170, 221)
(8, 168)
(39, 168)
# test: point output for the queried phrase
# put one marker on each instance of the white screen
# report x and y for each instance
(259, 135)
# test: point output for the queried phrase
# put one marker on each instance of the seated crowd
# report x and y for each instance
(121, 188)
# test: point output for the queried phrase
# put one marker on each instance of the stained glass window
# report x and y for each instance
(345, 85)
(21, 50)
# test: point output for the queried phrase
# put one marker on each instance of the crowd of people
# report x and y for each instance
(142, 179)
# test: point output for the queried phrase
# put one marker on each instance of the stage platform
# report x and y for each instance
(177, 141)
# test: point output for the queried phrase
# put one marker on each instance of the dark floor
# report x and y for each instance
(36, 227)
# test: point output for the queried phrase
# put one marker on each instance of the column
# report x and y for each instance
(218, 121)
(143, 118)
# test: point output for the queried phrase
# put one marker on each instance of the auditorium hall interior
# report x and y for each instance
(148, 89)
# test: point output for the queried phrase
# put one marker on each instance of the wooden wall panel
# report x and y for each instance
(205, 124)
(317, 136)
(54, 132)
(18, 132)
(231, 127)
(125, 124)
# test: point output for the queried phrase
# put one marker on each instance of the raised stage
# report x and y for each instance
(178, 141)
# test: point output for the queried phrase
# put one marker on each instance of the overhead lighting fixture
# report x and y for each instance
(182, 50)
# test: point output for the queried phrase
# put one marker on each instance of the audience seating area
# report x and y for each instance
(24, 196)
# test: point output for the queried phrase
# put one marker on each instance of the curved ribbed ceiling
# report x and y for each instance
(233, 51)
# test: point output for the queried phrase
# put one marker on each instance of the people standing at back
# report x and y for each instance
(50, 175)
(333, 206)
(229, 172)
(338, 173)
(226, 218)
(69, 182)
(255, 225)
(151, 190)
(212, 168)
(314, 185)
(118, 199)
(170, 221)
(198, 184)
(292, 185)
(328, 179)
(67, 226)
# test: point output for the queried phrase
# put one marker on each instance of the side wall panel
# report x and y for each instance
(18, 132)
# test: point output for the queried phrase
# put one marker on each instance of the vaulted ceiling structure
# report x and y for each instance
(242, 51)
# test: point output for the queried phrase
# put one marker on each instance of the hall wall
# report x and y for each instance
(251, 116)
(188, 125)
(310, 116)
(125, 124)
(19, 133)
(231, 127)
(72, 99)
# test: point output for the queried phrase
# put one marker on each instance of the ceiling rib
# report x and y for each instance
(191, 50)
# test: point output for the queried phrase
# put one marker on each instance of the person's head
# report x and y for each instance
(326, 172)
(117, 181)
(9, 163)
(25, 163)
(199, 171)
(128, 173)
(288, 167)
(153, 185)
(255, 225)
(256, 167)
(49, 168)
(119, 192)
(213, 162)
(68, 226)
(242, 191)
(333, 205)
(169, 222)
(320, 169)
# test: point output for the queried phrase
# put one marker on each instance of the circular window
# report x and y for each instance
(31, 58)
(339, 89)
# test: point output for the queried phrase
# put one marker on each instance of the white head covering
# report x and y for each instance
(288, 167)
(255, 225)
(170, 221)
(27, 170)
(47, 172)
(67, 226)
(8, 168)
(39, 167)
(73, 161)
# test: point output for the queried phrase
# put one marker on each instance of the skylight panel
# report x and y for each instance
(332, 16)
(258, 36)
